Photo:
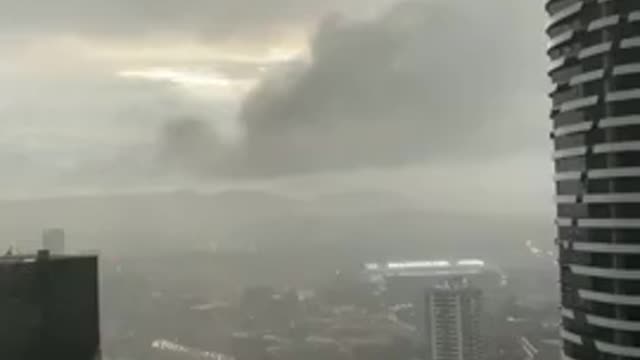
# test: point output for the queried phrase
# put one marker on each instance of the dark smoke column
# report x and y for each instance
(595, 51)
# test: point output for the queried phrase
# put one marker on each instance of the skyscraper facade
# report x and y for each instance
(453, 319)
(594, 49)
(49, 307)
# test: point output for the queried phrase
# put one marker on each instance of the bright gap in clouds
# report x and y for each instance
(211, 82)
(201, 82)
(188, 78)
(175, 51)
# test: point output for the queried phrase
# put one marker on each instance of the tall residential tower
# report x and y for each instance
(453, 320)
(595, 70)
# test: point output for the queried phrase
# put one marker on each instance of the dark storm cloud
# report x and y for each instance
(187, 144)
(428, 81)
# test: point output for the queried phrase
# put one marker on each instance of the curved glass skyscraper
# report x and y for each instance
(595, 69)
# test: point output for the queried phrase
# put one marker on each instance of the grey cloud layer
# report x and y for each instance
(210, 18)
(428, 81)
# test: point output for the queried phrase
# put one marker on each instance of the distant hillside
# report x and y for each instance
(349, 225)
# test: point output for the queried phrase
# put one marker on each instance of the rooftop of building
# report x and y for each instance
(426, 264)
(427, 268)
(454, 289)
(41, 256)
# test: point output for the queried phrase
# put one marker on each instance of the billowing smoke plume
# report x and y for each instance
(188, 144)
(426, 81)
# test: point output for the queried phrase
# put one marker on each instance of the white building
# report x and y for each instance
(453, 322)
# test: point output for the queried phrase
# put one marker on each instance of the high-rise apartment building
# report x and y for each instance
(49, 307)
(595, 70)
(453, 318)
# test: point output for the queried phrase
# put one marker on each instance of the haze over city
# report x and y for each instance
(223, 156)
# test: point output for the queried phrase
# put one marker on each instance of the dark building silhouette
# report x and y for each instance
(595, 69)
(49, 307)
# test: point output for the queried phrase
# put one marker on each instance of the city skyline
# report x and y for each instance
(319, 180)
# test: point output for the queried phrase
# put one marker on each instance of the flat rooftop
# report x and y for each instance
(31, 258)
(427, 267)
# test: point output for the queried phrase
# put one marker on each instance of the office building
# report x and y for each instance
(405, 281)
(453, 319)
(54, 241)
(594, 49)
(402, 284)
(49, 307)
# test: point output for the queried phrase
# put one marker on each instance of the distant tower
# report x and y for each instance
(54, 241)
(453, 317)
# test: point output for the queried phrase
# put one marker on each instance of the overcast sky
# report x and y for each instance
(408, 96)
